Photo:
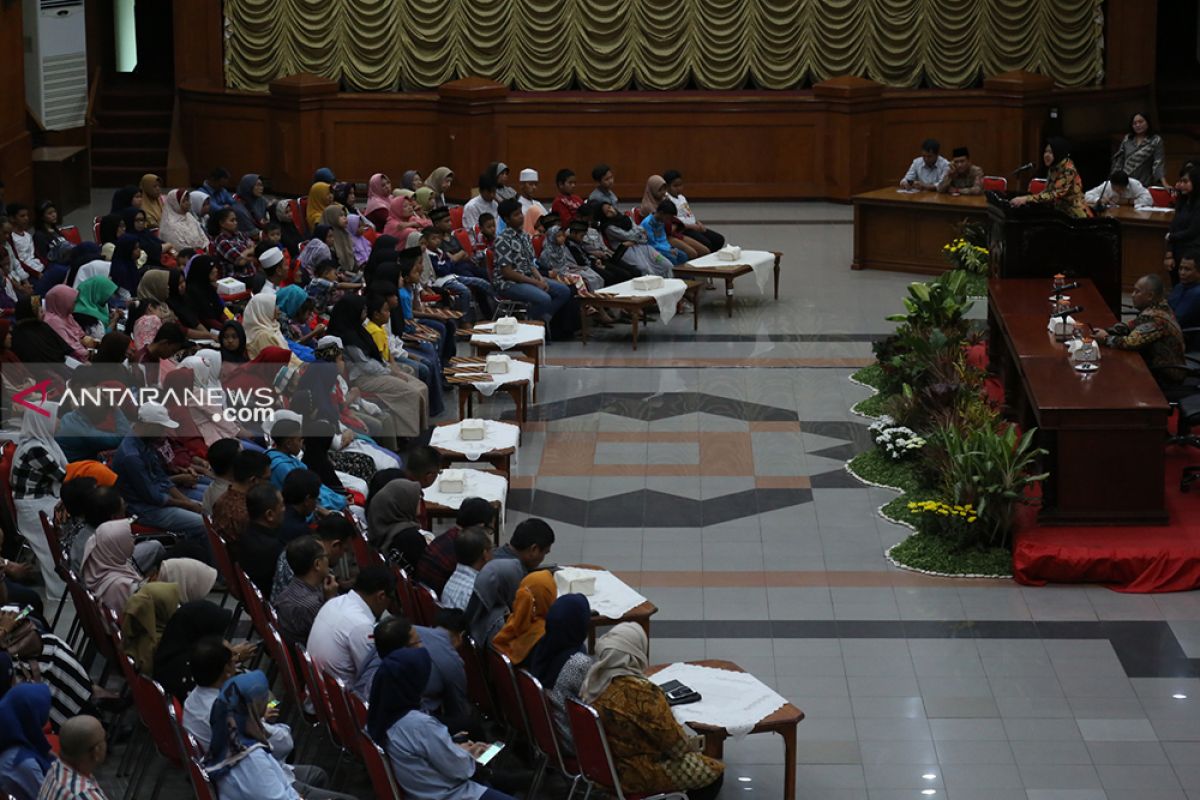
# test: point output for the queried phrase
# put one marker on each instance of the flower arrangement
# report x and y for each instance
(895, 440)
(955, 523)
(966, 256)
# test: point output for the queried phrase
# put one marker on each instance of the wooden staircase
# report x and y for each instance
(132, 131)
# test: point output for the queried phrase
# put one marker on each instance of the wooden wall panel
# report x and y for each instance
(16, 149)
(843, 137)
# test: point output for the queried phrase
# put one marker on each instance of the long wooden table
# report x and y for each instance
(906, 232)
(1105, 431)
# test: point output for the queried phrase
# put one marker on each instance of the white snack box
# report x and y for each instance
(573, 581)
(471, 430)
(729, 252)
(452, 481)
(505, 326)
(228, 286)
(498, 364)
(647, 282)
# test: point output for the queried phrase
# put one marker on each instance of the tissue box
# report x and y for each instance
(573, 581)
(228, 286)
(729, 252)
(505, 326)
(1060, 328)
(471, 430)
(498, 364)
(646, 282)
(452, 481)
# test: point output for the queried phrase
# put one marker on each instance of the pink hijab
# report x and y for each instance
(376, 198)
(60, 303)
(401, 219)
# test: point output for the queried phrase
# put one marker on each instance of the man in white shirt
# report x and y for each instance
(483, 202)
(525, 188)
(1120, 190)
(927, 170)
(340, 641)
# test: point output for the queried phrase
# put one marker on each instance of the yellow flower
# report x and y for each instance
(971, 519)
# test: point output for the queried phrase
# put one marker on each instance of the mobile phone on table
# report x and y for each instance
(678, 693)
(487, 755)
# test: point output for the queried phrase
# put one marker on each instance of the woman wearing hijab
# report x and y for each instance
(440, 180)
(652, 752)
(402, 395)
(176, 384)
(262, 325)
(38, 469)
(289, 235)
(630, 244)
(383, 250)
(81, 256)
(153, 247)
(1064, 189)
(318, 456)
(199, 205)
(126, 197)
(315, 253)
(498, 171)
(495, 588)
(206, 384)
(379, 192)
(527, 623)
(124, 267)
(233, 343)
(402, 219)
(178, 225)
(60, 307)
(91, 306)
(423, 197)
(25, 755)
(426, 761)
(152, 200)
(108, 569)
(180, 302)
(319, 198)
(560, 659)
(191, 622)
(655, 193)
(343, 248)
(250, 206)
(201, 305)
(257, 373)
(392, 521)
(33, 341)
(239, 759)
(146, 615)
(412, 180)
(358, 226)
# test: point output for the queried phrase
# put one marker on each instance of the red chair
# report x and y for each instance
(539, 242)
(60, 561)
(320, 701)
(1036, 185)
(636, 213)
(995, 183)
(595, 757)
(379, 768)
(477, 686)
(405, 593)
(500, 668)
(426, 604)
(543, 732)
(158, 716)
(464, 239)
(7, 451)
(339, 704)
(225, 565)
(202, 785)
(456, 213)
(71, 234)
(1163, 197)
(300, 214)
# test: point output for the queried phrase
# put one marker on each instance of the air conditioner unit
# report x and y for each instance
(56, 80)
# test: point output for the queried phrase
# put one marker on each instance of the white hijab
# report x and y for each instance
(262, 329)
(620, 652)
(179, 227)
(37, 430)
(90, 270)
(198, 199)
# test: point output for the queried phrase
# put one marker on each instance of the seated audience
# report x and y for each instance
(113, 569)
(516, 275)
(101, 505)
(320, 195)
(1154, 332)
(498, 172)
(655, 226)
(379, 197)
(1185, 297)
(652, 752)
(257, 547)
(486, 202)
(426, 761)
(199, 308)
(927, 170)
(530, 543)
(174, 665)
(566, 202)
(629, 243)
(221, 455)
(1119, 190)
(340, 639)
(22, 249)
(83, 746)
(693, 228)
(560, 660)
(25, 755)
(391, 634)
(91, 429)
(530, 206)
(39, 467)
(1183, 234)
(492, 597)
(179, 226)
(527, 622)
(216, 186)
(963, 177)
(49, 244)
(34, 341)
(602, 174)
(675, 231)
(311, 585)
(250, 206)
(234, 249)
(438, 561)
(440, 181)
(144, 620)
(284, 456)
(393, 519)
(1064, 189)
(472, 550)
(301, 491)
(230, 515)
(143, 481)
(334, 532)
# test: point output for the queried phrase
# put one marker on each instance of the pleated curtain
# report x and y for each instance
(604, 45)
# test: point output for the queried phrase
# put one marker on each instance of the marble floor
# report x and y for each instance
(707, 469)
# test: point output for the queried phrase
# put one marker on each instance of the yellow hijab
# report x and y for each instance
(319, 198)
(527, 622)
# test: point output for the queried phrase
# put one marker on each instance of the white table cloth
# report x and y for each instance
(762, 262)
(667, 296)
(613, 597)
(517, 371)
(496, 436)
(477, 484)
(735, 701)
(526, 334)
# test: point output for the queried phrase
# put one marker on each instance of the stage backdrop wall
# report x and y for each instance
(605, 45)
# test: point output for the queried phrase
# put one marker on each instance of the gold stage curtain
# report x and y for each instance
(603, 45)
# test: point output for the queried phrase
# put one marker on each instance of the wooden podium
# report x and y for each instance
(1035, 241)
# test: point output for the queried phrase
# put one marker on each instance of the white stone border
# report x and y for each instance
(888, 553)
(854, 408)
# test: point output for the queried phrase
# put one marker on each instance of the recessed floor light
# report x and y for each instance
(929, 776)
(1179, 696)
